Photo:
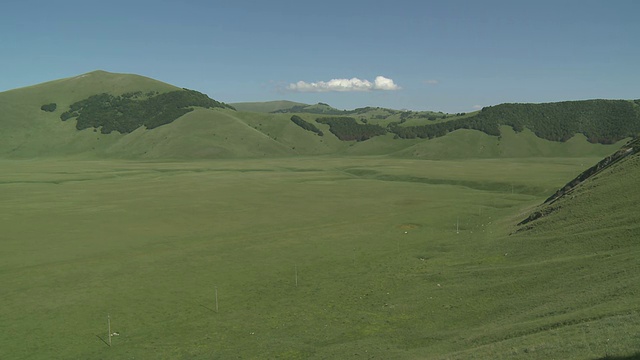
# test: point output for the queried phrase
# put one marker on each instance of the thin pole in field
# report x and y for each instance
(458, 225)
(216, 299)
(296, 270)
(109, 327)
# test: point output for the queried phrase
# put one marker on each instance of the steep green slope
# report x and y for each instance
(549, 206)
(577, 267)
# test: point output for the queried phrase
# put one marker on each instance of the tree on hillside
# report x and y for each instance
(49, 107)
(129, 111)
(306, 125)
(601, 121)
(347, 128)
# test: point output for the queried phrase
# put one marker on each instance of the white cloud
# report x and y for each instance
(353, 84)
(432, 82)
(382, 83)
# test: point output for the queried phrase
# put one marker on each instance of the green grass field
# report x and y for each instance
(237, 234)
(314, 257)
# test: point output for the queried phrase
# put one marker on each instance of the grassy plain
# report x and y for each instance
(381, 271)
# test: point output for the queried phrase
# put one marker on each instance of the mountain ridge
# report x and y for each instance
(32, 126)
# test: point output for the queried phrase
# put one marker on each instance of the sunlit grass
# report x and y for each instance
(372, 242)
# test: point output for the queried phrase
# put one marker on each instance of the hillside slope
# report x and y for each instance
(200, 134)
(28, 131)
(601, 121)
(629, 149)
(578, 264)
(596, 210)
(574, 275)
(101, 114)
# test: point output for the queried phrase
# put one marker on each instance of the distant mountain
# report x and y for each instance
(319, 108)
(376, 112)
(126, 116)
(601, 121)
(266, 107)
(102, 114)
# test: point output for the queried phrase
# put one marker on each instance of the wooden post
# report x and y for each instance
(216, 299)
(109, 327)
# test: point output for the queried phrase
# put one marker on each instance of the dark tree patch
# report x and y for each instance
(49, 107)
(129, 111)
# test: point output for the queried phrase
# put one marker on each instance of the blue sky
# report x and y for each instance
(452, 56)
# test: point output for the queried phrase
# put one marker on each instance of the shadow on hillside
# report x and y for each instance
(635, 356)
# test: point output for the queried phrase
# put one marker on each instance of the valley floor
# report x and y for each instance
(316, 257)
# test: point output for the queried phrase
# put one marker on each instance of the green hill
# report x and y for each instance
(102, 114)
(319, 108)
(129, 111)
(377, 115)
(589, 238)
(29, 131)
(549, 206)
(198, 135)
(601, 121)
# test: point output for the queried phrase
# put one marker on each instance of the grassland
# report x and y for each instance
(316, 248)
(371, 241)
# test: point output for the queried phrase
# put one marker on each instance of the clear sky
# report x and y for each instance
(452, 56)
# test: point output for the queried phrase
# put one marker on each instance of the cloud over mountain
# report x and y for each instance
(353, 84)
